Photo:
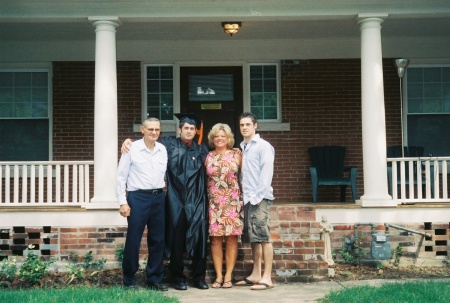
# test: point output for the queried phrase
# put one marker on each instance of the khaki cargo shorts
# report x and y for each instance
(257, 222)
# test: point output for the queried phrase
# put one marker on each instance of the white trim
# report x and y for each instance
(424, 62)
(273, 126)
(418, 63)
(172, 126)
(278, 79)
(64, 218)
(144, 91)
(36, 67)
(25, 65)
(334, 216)
(377, 215)
(166, 126)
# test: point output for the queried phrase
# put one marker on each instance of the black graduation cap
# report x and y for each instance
(190, 118)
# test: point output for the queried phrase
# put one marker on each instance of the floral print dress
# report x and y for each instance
(225, 199)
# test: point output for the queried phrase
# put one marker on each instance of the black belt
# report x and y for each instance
(152, 191)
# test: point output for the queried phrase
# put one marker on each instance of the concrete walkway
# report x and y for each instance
(281, 293)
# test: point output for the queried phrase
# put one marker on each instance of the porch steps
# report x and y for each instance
(298, 250)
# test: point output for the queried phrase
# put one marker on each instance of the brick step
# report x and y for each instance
(283, 272)
(294, 261)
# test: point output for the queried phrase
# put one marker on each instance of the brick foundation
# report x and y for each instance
(298, 250)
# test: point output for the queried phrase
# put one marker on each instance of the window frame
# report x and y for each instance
(278, 87)
(406, 99)
(47, 68)
(175, 81)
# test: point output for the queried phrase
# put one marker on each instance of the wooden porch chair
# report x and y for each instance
(327, 168)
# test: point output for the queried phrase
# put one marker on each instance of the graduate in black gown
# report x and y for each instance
(186, 202)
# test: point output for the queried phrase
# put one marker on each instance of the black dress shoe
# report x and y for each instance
(201, 284)
(157, 286)
(180, 286)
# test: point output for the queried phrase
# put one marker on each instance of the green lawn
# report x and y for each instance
(84, 295)
(407, 292)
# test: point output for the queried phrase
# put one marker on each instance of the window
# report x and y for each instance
(428, 109)
(264, 96)
(24, 115)
(159, 91)
(219, 88)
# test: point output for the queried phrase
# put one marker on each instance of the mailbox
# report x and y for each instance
(381, 247)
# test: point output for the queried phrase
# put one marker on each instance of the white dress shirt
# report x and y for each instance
(141, 168)
(257, 170)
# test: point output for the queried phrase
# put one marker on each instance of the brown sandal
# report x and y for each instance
(216, 284)
(227, 284)
(244, 282)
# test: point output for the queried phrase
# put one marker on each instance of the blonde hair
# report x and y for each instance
(215, 130)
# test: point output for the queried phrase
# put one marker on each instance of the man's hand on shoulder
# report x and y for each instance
(125, 146)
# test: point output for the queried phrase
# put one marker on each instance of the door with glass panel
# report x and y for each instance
(214, 94)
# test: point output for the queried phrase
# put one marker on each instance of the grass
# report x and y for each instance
(84, 295)
(401, 292)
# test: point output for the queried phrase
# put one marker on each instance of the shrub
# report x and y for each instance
(34, 268)
(77, 270)
(119, 254)
(8, 269)
(90, 263)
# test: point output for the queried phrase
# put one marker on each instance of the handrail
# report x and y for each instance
(45, 183)
(418, 179)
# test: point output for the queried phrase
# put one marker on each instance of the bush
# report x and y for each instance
(34, 268)
(8, 269)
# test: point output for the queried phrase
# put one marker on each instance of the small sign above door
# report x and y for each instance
(211, 106)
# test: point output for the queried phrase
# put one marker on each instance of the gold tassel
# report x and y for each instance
(200, 133)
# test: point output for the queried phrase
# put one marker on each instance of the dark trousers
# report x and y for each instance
(176, 257)
(146, 210)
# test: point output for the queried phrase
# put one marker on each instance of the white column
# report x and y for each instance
(105, 117)
(373, 115)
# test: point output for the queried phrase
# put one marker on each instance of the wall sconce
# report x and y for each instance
(231, 27)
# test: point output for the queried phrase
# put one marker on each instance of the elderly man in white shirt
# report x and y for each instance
(141, 174)
(256, 178)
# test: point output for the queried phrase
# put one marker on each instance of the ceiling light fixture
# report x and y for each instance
(231, 27)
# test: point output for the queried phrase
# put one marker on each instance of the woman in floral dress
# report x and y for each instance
(225, 201)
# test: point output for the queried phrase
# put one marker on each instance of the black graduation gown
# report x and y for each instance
(186, 191)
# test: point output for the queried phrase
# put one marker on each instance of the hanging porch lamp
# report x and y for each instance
(401, 65)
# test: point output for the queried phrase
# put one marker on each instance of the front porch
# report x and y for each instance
(59, 221)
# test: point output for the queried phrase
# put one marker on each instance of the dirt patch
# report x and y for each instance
(102, 278)
(349, 272)
(343, 272)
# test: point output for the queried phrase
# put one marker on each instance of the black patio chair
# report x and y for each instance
(327, 168)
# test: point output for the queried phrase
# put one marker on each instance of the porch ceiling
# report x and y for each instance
(136, 29)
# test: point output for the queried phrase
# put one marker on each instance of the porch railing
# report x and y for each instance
(68, 183)
(419, 179)
(46, 183)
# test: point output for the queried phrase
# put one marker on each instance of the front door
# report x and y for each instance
(214, 94)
